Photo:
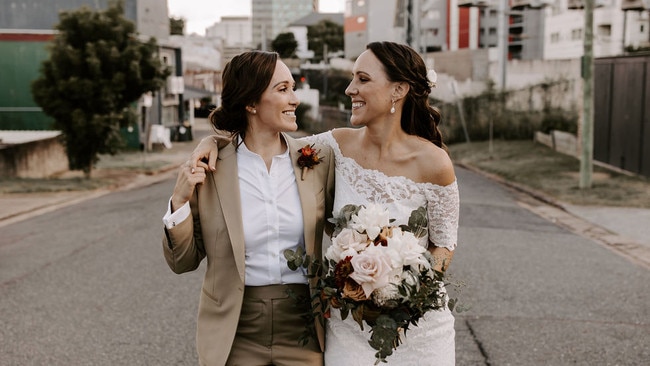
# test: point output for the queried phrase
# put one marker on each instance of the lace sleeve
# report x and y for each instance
(443, 206)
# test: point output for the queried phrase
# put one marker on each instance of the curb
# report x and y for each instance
(540, 196)
(554, 211)
(141, 179)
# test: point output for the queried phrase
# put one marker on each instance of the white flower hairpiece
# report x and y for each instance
(432, 76)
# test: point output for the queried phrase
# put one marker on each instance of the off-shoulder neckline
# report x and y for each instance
(339, 154)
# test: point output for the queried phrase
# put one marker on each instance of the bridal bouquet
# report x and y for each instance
(376, 272)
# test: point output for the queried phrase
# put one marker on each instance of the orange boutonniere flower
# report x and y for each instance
(308, 159)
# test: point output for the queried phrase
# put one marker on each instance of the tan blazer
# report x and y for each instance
(215, 231)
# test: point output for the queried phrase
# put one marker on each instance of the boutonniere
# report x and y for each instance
(308, 159)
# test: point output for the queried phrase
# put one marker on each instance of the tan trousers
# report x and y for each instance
(270, 325)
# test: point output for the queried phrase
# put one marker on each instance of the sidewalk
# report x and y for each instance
(623, 230)
(129, 170)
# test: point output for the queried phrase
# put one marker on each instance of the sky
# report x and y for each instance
(200, 14)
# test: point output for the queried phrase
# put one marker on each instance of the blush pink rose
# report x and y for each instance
(372, 268)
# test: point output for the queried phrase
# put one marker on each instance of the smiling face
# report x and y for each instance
(369, 89)
(276, 109)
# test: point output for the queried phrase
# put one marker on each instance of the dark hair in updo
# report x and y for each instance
(244, 80)
(402, 64)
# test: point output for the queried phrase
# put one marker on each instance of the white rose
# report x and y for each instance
(410, 250)
(335, 253)
(372, 268)
(350, 239)
(370, 219)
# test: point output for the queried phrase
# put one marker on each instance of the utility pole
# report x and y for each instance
(325, 70)
(502, 45)
(587, 140)
(415, 18)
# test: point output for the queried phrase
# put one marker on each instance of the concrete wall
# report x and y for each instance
(34, 159)
(471, 70)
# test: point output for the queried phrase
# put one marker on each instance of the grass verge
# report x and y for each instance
(536, 166)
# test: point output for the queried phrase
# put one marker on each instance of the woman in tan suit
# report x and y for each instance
(259, 202)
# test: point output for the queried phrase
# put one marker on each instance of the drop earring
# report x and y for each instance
(392, 108)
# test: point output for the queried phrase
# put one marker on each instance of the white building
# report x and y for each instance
(272, 17)
(235, 31)
(614, 29)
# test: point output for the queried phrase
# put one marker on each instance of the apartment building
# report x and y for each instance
(272, 17)
(618, 25)
(427, 25)
(554, 29)
(235, 33)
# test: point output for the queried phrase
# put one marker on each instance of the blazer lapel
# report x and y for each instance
(306, 193)
(226, 182)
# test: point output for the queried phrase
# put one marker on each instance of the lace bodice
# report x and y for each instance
(400, 195)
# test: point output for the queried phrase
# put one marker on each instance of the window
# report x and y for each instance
(605, 30)
(555, 37)
(576, 34)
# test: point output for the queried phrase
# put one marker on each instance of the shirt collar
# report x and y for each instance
(244, 149)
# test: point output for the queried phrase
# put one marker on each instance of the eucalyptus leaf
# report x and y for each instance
(357, 315)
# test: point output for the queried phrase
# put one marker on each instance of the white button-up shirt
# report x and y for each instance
(271, 216)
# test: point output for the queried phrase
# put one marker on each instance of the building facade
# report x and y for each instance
(234, 31)
(426, 25)
(299, 28)
(26, 28)
(235, 35)
(618, 27)
(272, 17)
(554, 29)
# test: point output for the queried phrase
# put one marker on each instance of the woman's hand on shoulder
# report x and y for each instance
(207, 151)
(188, 178)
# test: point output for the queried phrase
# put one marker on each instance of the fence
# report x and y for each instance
(622, 112)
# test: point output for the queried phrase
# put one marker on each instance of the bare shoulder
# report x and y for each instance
(435, 165)
(345, 134)
(347, 139)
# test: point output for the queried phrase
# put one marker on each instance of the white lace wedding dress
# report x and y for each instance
(432, 341)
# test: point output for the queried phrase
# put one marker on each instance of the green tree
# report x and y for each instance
(323, 33)
(96, 70)
(177, 26)
(285, 44)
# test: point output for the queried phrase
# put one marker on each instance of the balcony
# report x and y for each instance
(635, 5)
(580, 4)
(521, 4)
(474, 3)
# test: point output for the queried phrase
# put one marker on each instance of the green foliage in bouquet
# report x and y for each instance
(420, 290)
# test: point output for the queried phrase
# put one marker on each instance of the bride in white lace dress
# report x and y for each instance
(396, 158)
(432, 341)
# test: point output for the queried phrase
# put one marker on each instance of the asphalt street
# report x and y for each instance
(87, 284)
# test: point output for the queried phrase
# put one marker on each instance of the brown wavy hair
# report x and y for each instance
(244, 80)
(402, 64)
